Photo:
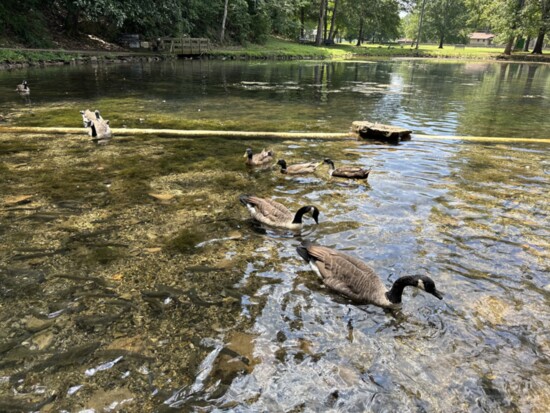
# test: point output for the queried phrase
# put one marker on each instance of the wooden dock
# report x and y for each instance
(185, 46)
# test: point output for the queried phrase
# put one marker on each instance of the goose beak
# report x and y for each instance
(438, 294)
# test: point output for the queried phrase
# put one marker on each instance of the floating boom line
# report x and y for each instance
(252, 134)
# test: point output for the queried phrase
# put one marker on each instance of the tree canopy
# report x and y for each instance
(31, 22)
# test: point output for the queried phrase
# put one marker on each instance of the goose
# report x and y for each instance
(299, 168)
(23, 88)
(351, 172)
(275, 214)
(258, 159)
(354, 279)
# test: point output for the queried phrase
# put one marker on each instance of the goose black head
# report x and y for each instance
(25, 84)
(329, 162)
(427, 284)
(314, 213)
(282, 162)
(248, 153)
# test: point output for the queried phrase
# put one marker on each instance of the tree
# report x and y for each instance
(224, 19)
(320, 23)
(445, 19)
(544, 9)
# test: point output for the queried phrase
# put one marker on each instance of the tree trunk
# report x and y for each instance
(319, 37)
(537, 49)
(526, 44)
(332, 32)
(302, 22)
(441, 41)
(420, 24)
(325, 32)
(360, 37)
(224, 20)
(509, 45)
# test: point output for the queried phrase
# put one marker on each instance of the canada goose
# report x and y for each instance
(275, 214)
(351, 172)
(299, 168)
(100, 130)
(356, 280)
(23, 88)
(258, 159)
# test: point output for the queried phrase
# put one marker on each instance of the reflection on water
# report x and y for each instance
(478, 99)
(132, 278)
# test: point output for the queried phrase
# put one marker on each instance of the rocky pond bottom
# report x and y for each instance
(132, 279)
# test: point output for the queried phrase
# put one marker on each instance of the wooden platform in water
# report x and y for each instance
(380, 132)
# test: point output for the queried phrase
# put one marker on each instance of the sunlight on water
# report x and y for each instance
(132, 278)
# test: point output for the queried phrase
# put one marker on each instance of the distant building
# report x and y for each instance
(481, 39)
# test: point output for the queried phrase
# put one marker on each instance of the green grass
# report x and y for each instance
(276, 48)
(32, 56)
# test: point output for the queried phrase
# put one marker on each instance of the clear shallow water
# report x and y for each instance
(183, 304)
(478, 99)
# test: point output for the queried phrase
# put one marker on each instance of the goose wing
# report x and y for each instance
(302, 168)
(263, 157)
(348, 275)
(351, 172)
(270, 210)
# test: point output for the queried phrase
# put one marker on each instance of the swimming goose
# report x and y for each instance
(275, 214)
(258, 159)
(354, 279)
(351, 172)
(23, 88)
(298, 168)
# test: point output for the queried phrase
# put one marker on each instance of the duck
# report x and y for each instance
(350, 172)
(258, 159)
(298, 168)
(275, 214)
(23, 88)
(355, 280)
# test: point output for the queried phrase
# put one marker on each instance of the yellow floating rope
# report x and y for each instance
(250, 134)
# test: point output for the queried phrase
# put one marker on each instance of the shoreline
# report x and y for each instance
(49, 57)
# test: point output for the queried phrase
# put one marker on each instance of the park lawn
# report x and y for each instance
(276, 48)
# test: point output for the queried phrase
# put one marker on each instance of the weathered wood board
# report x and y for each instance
(380, 132)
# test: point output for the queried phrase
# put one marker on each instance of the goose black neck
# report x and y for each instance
(394, 295)
(299, 214)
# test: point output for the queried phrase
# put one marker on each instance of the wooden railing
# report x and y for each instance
(184, 45)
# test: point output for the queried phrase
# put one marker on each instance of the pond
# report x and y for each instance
(131, 278)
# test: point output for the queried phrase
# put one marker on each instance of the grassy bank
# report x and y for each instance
(276, 49)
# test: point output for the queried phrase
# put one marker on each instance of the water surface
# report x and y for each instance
(131, 278)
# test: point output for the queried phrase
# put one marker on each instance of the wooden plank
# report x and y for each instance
(379, 131)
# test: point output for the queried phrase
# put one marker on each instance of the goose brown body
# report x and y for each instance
(354, 279)
(23, 88)
(298, 168)
(259, 159)
(270, 212)
(350, 172)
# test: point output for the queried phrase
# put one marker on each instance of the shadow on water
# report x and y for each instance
(132, 278)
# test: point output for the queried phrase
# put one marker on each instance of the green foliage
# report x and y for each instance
(29, 22)
(24, 21)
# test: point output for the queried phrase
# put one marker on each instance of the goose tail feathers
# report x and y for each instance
(303, 252)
